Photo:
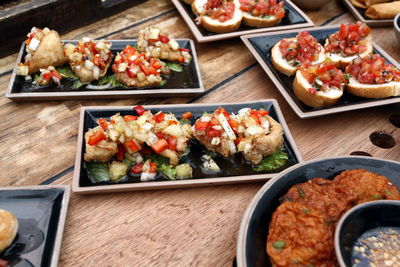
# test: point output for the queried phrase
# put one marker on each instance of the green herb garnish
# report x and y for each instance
(301, 192)
(177, 67)
(77, 84)
(272, 162)
(162, 83)
(347, 76)
(163, 166)
(110, 79)
(184, 121)
(66, 72)
(279, 245)
(266, 17)
(97, 171)
(306, 211)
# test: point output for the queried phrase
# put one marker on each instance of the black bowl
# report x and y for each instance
(358, 220)
(251, 246)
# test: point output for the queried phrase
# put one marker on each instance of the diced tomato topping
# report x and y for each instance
(160, 146)
(96, 137)
(170, 122)
(156, 64)
(130, 118)
(47, 76)
(184, 50)
(159, 117)
(153, 167)
(121, 152)
(187, 115)
(112, 122)
(138, 168)
(139, 110)
(263, 112)
(160, 135)
(263, 8)
(312, 91)
(164, 39)
(349, 40)
(213, 132)
(255, 117)
(103, 123)
(221, 10)
(323, 76)
(56, 74)
(172, 141)
(234, 125)
(181, 59)
(3, 263)
(132, 146)
(201, 125)
(223, 111)
(238, 140)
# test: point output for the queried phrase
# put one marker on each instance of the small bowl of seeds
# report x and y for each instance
(369, 235)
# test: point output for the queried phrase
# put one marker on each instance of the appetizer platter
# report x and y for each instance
(153, 147)
(326, 70)
(315, 193)
(374, 12)
(212, 20)
(154, 65)
(32, 224)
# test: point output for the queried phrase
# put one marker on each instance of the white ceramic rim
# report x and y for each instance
(396, 25)
(240, 245)
(339, 225)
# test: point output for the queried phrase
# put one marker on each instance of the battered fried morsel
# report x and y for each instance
(44, 48)
(299, 236)
(103, 150)
(324, 196)
(367, 186)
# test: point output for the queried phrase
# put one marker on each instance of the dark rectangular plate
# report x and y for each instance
(359, 13)
(183, 83)
(232, 171)
(294, 18)
(41, 213)
(261, 44)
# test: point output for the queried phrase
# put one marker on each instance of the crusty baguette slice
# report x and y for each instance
(373, 90)
(342, 61)
(259, 22)
(283, 66)
(319, 99)
(213, 25)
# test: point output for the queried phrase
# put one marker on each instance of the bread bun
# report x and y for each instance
(373, 90)
(283, 66)
(259, 22)
(214, 25)
(319, 99)
(342, 61)
(8, 229)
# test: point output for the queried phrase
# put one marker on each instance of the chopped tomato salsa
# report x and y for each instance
(222, 10)
(323, 76)
(302, 51)
(263, 8)
(349, 40)
(96, 137)
(373, 70)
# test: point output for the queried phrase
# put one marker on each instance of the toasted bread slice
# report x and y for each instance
(319, 99)
(259, 22)
(283, 66)
(373, 90)
(214, 25)
(342, 61)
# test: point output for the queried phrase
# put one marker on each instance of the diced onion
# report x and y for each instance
(147, 176)
(205, 119)
(89, 64)
(33, 45)
(96, 72)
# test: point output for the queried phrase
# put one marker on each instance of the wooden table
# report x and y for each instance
(185, 227)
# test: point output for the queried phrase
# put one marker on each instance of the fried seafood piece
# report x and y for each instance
(299, 236)
(252, 132)
(8, 229)
(135, 69)
(89, 59)
(47, 76)
(154, 44)
(323, 196)
(99, 146)
(259, 134)
(44, 48)
(367, 186)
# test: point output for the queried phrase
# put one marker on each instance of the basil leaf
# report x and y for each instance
(77, 84)
(163, 166)
(279, 244)
(110, 79)
(272, 162)
(97, 171)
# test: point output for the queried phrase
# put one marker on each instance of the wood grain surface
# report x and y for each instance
(181, 227)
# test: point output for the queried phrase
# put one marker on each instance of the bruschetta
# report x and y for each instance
(261, 13)
(44, 48)
(351, 41)
(153, 43)
(303, 50)
(319, 85)
(370, 77)
(135, 69)
(89, 59)
(250, 132)
(218, 15)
